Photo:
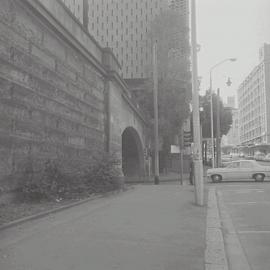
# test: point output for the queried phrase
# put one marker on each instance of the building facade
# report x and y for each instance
(233, 138)
(123, 25)
(253, 97)
(231, 102)
(76, 7)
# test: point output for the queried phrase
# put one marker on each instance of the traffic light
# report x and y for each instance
(187, 138)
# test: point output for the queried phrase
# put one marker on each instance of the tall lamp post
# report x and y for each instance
(211, 105)
(155, 79)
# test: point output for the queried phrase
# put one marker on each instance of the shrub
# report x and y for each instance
(46, 183)
(51, 182)
(103, 174)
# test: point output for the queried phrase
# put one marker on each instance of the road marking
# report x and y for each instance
(239, 203)
(243, 190)
(246, 186)
(248, 191)
(255, 232)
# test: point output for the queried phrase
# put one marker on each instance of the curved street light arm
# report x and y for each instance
(221, 62)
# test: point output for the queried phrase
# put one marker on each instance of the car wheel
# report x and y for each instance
(259, 177)
(216, 178)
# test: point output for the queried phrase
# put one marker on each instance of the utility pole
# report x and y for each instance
(197, 155)
(212, 121)
(181, 150)
(85, 14)
(155, 79)
(218, 130)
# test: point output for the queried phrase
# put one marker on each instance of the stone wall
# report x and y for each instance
(61, 96)
(51, 94)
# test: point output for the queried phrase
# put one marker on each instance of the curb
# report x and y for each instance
(58, 209)
(237, 259)
(215, 256)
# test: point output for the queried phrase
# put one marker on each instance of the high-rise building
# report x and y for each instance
(253, 97)
(76, 7)
(233, 137)
(231, 102)
(123, 25)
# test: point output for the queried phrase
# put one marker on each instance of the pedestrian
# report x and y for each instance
(191, 171)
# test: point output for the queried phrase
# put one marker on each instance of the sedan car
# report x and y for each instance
(267, 157)
(259, 156)
(240, 169)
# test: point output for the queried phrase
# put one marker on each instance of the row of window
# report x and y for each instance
(122, 2)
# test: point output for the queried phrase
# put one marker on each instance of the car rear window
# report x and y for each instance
(234, 165)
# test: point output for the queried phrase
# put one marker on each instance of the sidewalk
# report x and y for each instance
(149, 227)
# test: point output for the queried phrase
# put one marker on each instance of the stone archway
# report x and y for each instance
(132, 153)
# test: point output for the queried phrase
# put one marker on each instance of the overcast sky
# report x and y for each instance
(230, 28)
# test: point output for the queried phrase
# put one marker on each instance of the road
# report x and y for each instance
(248, 206)
(147, 228)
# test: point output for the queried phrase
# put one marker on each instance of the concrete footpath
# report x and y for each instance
(148, 227)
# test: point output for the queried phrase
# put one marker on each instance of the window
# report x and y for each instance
(247, 164)
(234, 165)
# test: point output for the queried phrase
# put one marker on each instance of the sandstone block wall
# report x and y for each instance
(51, 96)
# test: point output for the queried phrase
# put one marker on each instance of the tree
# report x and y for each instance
(225, 116)
(174, 78)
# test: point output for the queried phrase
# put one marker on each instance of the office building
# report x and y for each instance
(231, 102)
(124, 25)
(253, 97)
(76, 7)
(233, 137)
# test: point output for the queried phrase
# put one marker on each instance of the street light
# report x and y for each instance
(211, 106)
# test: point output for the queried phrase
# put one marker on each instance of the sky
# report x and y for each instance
(230, 29)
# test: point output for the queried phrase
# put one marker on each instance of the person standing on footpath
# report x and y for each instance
(191, 171)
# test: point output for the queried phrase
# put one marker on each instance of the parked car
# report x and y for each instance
(241, 155)
(249, 156)
(240, 169)
(226, 158)
(259, 156)
(267, 157)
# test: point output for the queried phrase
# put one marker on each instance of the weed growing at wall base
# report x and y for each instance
(52, 182)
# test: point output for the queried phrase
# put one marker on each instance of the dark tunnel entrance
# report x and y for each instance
(132, 153)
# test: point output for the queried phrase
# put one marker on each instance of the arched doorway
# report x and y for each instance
(132, 153)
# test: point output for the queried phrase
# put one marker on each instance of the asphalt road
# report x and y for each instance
(248, 205)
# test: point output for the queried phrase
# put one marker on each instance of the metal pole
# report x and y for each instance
(197, 155)
(181, 149)
(212, 121)
(218, 131)
(155, 79)
(85, 14)
(211, 104)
